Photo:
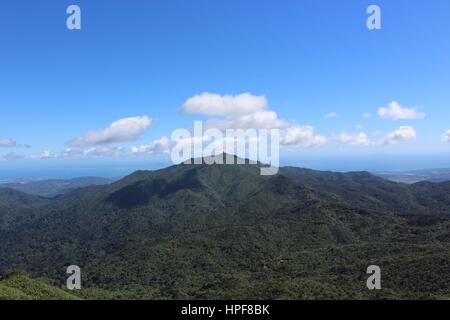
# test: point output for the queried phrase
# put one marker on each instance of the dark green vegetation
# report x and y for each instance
(55, 187)
(224, 231)
(13, 199)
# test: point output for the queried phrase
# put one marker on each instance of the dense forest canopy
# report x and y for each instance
(226, 232)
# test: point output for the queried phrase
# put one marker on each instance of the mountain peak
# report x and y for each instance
(223, 158)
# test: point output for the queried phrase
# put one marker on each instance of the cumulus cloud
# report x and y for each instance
(446, 136)
(43, 155)
(404, 133)
(355, 139)
(396, 112)
(259, 120)
(72, 153)
(247, 111)
(158, 146)
(243, 111)
(212, 104)
(331, 115)
(98, 151)
(121, 130)
(7, 142)
(302, 136)
(104, 151)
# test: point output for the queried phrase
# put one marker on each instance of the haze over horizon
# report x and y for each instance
(118, 168)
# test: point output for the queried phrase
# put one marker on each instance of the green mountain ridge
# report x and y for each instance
(225, 231)
(10, 198)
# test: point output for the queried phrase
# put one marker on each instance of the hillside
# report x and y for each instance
(364, 190)
(19, 286)
(11, 199)
(224, 231)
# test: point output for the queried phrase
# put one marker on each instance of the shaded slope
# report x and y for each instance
(10, 199)
(364, 190)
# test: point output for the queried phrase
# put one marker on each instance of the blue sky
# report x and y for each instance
(147, 58)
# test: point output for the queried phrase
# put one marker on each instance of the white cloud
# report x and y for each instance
(302, 136)
(331, 115)
(446, 136)
(212, 104)
(366, 115)
(104, 151)
(44, 155)
(246, 111)
(243, 111)
(355, 139)
(7, 143)
(72, 153)
(404, 133)
(156, 147)
(121, 130)
(99, 151)
(259, 120)
(396, 112)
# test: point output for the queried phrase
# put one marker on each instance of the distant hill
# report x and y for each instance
(226, 232)
(365, 190)
(54, 187)
(13, 199)
(19, 286)
(430, 175)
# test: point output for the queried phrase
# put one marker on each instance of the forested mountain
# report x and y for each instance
(13, 199)
(364, 190)
(225, 231)
(19, 286)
